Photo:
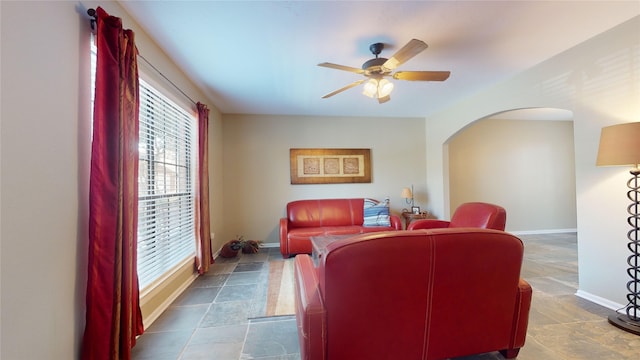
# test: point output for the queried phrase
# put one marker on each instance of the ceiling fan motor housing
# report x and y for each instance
(374, 66)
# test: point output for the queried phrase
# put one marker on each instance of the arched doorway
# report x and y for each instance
(521, 159)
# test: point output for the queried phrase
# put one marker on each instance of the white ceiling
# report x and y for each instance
(260, 57)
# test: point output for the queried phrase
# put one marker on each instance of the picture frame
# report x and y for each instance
(330, 166)
(415, 210)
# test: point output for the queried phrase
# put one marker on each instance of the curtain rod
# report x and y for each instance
(92, 14)
(166, 78)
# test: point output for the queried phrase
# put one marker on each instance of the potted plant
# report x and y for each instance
(251, 246)
(231, 248)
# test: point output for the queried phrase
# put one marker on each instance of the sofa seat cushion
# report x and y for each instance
(370, 229)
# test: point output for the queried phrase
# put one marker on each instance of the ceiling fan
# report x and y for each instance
(377, 69)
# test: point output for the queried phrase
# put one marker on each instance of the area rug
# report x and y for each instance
(280, 290)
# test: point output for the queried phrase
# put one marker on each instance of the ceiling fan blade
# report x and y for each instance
(353, 84)
(411, 49)
(341, 67)
(422, 75)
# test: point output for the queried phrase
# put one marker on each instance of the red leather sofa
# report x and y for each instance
(422, 294)
(308, 218)
(471, 214)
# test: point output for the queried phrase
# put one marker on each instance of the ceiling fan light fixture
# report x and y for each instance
(370, 88)
(384, 99)
(378, 89)
(384, 88)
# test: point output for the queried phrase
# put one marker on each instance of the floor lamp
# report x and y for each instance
(620, 145)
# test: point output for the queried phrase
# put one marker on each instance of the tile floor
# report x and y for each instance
(220, 315)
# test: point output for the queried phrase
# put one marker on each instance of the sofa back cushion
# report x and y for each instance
(374, 296)
(325, 212)
(480, 215)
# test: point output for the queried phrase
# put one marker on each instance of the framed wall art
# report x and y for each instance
(330, 166)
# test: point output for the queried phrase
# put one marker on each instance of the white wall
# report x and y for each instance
(45, 142)
(256, 165)
(526, 166)
(598, 81)
(41, 181)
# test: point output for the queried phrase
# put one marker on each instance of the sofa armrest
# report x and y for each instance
(310, 311)
(395, 221)
(428, 224)
(521, 314)
(520, 320)
(284, 241)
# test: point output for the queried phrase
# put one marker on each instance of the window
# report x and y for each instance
(166, 193)
(166, 224)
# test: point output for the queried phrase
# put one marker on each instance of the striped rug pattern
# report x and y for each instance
(280, 291)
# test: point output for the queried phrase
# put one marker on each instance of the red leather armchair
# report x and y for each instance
(471, 214)
(424, 294)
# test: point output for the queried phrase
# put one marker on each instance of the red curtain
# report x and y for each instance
(204, 254)
(113, 318)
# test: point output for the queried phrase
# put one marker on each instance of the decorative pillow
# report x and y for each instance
(376, 213)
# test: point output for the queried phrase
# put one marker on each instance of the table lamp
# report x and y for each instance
(407, 195)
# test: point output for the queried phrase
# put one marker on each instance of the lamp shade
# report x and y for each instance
(619, 145)
(370, 88)
(384, 88)
(406, 193)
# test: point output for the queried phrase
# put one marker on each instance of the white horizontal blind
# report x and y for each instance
(166, 230)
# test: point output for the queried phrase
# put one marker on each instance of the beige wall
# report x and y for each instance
(525, 166)
(45, 147)
(45, 144)
(256, 165)
(597, 81)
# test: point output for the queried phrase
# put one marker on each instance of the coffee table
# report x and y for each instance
(319, 245)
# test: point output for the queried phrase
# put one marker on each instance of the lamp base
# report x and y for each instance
(625, 323)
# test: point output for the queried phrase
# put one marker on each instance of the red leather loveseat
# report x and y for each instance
(308, 218)
(421, 294)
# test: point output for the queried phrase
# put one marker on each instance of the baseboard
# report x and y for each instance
(264, 245)
(548, 231)
(155, 314)
(599, 300)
